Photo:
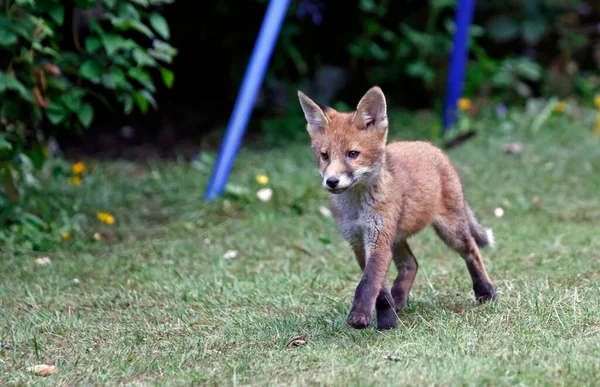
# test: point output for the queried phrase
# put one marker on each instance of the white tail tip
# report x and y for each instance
(490, 236)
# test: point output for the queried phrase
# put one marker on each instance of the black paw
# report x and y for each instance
(359, 320)
(485, 292)
(386, 319)
(400, 303)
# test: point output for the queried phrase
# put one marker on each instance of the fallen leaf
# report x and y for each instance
(515, 147)
(325, 211)
(297, 341)
(43, 261)
(303, 249)
(45, 369)
(230, 254)
(264, 194)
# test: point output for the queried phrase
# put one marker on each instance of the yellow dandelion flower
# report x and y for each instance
(106, 217)
(97, 236)
(78, 168)
(597, 101)
(465, 104)
(262, 179)
(65, 235)
(75, 180)
(560, 106)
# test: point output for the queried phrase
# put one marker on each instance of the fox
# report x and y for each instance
(382, 194)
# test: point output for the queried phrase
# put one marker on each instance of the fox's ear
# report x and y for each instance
(372, 109)
(315, 115)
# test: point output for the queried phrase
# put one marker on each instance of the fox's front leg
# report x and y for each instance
(384, 304)
(371, 286)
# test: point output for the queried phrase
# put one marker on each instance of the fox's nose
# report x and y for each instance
(333, 182)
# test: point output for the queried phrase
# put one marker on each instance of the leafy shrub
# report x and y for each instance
(52, 72)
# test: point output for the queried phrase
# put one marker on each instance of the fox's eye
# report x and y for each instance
(353, 154)
(325, 156)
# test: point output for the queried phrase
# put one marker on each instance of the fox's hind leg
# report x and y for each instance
(407, 266)
(384, 305)
(454, 231)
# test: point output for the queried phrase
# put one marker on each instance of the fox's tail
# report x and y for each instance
(483, 236)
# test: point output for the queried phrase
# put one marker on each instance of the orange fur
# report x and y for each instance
(381, 194)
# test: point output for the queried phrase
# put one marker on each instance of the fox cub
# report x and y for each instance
(382, 194)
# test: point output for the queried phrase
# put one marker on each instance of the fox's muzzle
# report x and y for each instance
(335, 178)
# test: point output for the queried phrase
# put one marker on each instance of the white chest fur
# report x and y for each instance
(359, 222)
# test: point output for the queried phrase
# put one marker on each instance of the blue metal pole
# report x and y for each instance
(259, 61)
(458, 61)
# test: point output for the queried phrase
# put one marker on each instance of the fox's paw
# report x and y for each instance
(485, 292)
(386, 319)
(399, 303)
(359, 320)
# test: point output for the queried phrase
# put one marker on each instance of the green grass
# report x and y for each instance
(156, 303)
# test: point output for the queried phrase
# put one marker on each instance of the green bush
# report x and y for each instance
(52, 73)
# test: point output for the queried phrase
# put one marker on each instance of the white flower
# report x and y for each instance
(230, 254)
(325, 211)
(43, 260)
(76, 280)
(264, 194)
(499, 212)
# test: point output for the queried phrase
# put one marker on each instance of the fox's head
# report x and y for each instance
(349, 147)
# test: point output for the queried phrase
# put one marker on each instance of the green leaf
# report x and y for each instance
(532, 30)
(148, 95)
(160, 25)
(126, 10)
(91, 70)
(128, 24)
(93, 44)
(44, 49)
(419, 69)
(502, 29)
(86, 115)
(168, 77)
(142, 76)
(127, 104)
(113, 42)
(4, 145)
(57, 13)
(141, 102)
(7, 38)
(118, 76)
(529, 69)
(12, 83)
(56, 113)
(143, 98)
(142, 58)
(110, 3)
(162, 51)
(72, 98)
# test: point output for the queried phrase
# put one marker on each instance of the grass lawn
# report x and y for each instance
(155, 302)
